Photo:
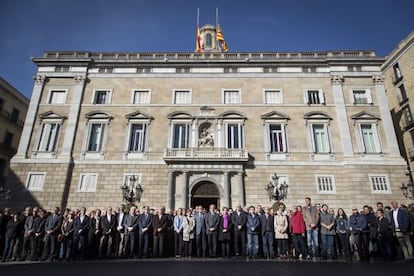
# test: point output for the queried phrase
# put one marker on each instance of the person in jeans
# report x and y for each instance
(327, 221)
(253, 230)
(297, 229)
(342, 230)
(357, 223)
(311, 217)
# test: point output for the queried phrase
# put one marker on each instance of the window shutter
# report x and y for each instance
(368, 95)
(321, 97)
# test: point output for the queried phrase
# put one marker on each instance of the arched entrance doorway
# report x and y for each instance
(205, 193)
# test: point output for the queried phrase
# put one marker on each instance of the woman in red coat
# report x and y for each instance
(298, 229)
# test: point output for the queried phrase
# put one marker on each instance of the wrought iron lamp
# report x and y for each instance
(277, 191)
(132, 191)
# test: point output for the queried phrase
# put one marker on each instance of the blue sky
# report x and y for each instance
(29, 27)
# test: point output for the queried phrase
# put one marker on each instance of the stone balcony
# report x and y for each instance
(206, 154)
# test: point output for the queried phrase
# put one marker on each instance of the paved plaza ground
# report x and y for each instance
(216, 267)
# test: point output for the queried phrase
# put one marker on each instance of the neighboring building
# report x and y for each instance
(13, 108)
(211, 127)
(399, 81)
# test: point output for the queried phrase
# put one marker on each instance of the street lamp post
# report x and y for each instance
(277, 191)
(132, 191)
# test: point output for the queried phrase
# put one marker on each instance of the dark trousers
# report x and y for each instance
(201, 245)
(240, 243)
(212, 244)
(282, 246)
(178, 243)
(105, 246)
(129, 244)
(267, 240)
(50, 247)
(344, 244)
(26, 247)
(299, 244)
(80, 246)
(144, 239)
(158, 248)
(118, 242)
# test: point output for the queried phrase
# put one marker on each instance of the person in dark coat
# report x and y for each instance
(224, 235)
(52, 228)
(12, 230)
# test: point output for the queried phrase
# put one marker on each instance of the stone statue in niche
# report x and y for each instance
(206, 138)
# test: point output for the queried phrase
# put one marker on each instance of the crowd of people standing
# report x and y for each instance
(312, 231)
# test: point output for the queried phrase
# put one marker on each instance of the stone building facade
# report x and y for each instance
(13, 107)
(200, 128)
(398, 73)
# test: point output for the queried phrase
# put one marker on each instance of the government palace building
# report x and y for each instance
(194, 128)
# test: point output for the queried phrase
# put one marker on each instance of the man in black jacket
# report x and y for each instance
(52, 227)
(108, 225)
(239, 224)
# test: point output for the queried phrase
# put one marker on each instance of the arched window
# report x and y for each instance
(208, 40)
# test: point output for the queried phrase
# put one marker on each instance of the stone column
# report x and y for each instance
(27, 131)
(73, 118)
(240, 186)
(342, 117)
(226, 195)
(170, 191)
(390, 136)
(185, 190)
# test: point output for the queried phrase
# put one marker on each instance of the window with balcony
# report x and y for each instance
(182, 96)
(49, 135)
(87, 182)
(14, 117)
(277, 138)
(101, 97)
(362, 96)
(35, 181)
(231, 97)
(314, 96)
(273, 96)
(141, 97)
(181, 136)
(320, 138)
(234, 135)
(57, 97)
(397, 72)
(402, 94)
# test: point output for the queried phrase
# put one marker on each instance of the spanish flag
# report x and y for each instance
(198, 39)
(221, 41)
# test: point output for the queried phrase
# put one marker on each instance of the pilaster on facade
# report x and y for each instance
(27, 133)
(390, 136)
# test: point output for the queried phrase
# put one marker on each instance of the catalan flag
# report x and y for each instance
(198, 39)
(220, 40)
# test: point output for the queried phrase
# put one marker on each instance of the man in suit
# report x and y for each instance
(53, 224)
(80, 234)
(160, 225)
(400, 223)
(212, 221)
(200, 233)
(108, 225)
(238, 219)
(119, 231)
(130, 226)
(268, 233)
(28, 234)
(144, 228)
